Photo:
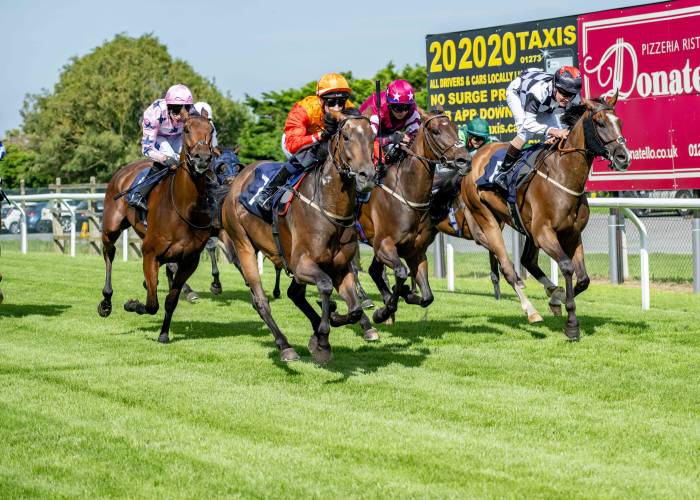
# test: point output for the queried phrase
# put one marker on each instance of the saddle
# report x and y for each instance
(264, 173)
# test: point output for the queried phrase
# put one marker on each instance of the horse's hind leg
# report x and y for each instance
(109, 250)
(183, 272)
(555, 293)
(582, 278)
(495, 277)
(216, 283)
(308, 271)
(276, 292)
(419, 270)
(297, 293)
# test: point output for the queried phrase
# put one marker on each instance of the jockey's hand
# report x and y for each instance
(330, 126)
(406, 140)
(550, 140)
(558, 133)
(398, 138)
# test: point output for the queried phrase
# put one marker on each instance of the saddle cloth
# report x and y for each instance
(264, 173)
(517, 175)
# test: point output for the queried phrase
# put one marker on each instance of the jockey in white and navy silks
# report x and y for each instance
(537, 100)
(163, 124)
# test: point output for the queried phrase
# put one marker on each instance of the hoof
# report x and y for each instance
(276, 293)
(371, 335)
(534, 318)
(289, 354)
(131, 305)
(556, 294)
(215, 289)
(191, 297)
(163, 338)
(572, 332)
(427, 302)
(319, 355)
(556, 309)
(104, 309)
(367, 304)
(381, 315)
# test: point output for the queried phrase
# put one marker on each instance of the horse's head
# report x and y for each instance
(196, 143)
(351, 148)
(441, 141)
(602, 130)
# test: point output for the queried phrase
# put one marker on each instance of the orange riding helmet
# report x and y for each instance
(332, 83)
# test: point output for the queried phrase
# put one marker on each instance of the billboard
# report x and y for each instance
(650, 53)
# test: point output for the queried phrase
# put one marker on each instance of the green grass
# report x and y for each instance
(466, 400)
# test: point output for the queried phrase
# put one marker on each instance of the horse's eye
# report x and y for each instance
(434, 131)
(346, 137)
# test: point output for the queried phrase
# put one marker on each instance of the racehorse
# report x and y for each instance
(317, 237)
(552, 204)
(178, 220)
(392, 217)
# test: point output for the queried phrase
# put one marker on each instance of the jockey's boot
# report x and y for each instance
(137, 201)
(280, 178)
(139, 197)
(510, 159)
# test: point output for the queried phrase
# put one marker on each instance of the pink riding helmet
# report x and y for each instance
(400, 92)
(178, 94)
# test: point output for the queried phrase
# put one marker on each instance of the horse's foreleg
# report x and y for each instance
(150, 273)
(109, 250)
(307, 271)
(348, 291)
(495, 276)
(555, 293)
(216, 283)
(582, 278)
(297, 293)
(190, 295)
(549, 242)
(419, 271)
(376, 272)
(183, 271)
(387, 254)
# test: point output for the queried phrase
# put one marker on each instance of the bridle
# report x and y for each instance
(594, 145)
(435, 150)
(190, 160)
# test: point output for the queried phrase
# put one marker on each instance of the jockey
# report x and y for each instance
(400, 118)
(474, 135)
(163, 124)
(535, 99)
(307, 127)
(198, 107)
(3, 151)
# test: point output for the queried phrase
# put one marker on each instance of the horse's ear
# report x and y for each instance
(205, 113)
(237, 148)
(612, 100)
(422, 113)
(589, 104)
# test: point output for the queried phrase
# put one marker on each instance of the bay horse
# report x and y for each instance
(317, 236)
(552, 204)
(178, 221)
(392, 218)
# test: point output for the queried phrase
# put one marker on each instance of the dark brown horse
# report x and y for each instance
(552, 204)
(317, 236)
(391, 219)
(178, 221)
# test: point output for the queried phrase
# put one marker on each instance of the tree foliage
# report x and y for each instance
(90, 123)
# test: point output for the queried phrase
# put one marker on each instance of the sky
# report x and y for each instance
(249, 47)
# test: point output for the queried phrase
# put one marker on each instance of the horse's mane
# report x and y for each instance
(575, 112)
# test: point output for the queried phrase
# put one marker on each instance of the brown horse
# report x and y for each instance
(552, 204)
(391, 219)
(317, 236)
(178, 221)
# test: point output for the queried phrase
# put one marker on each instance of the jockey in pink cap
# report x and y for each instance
(163, 123)
(400, 118)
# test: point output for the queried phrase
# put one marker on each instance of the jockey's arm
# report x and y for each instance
(296, 130)
(150, 127)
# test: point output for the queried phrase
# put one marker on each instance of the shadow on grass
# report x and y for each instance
(555, 325)
(182, 331)
(19, 310)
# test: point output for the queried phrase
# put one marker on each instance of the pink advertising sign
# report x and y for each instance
(651, 54)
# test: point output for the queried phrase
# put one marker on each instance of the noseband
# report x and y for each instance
(435, 149)
(592, 138)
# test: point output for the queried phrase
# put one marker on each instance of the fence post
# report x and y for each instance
(623, 248)
(696, 251)
(93, 226)
(23, 218)
(57, 225)
(450, 267)
(125, 245)
(439, 248)
(615, 244)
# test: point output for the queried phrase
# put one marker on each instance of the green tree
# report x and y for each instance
(89, 124)
(19, 163)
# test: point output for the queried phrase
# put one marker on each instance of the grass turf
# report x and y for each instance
(463, 400)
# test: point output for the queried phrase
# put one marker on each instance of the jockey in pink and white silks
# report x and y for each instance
(400, 118)
(537, 100)
(163, 124)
